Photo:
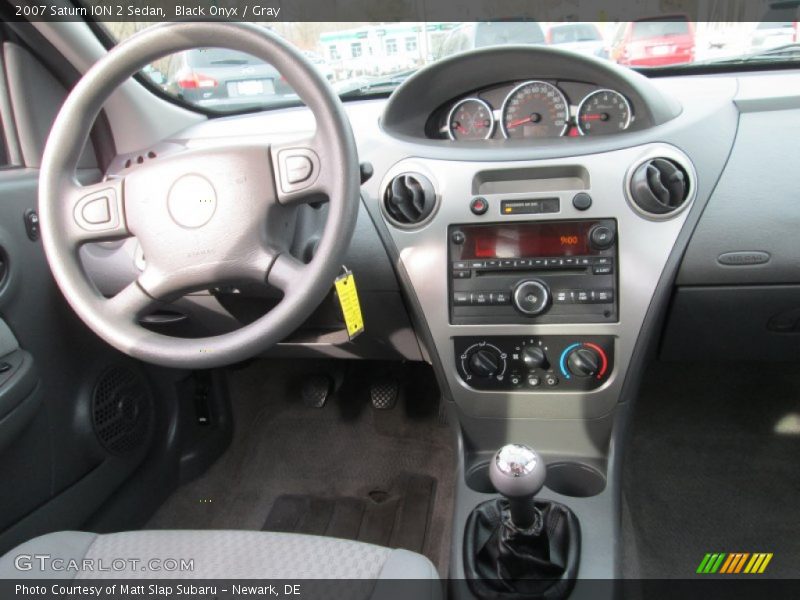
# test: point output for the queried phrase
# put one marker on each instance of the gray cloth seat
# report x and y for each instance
(215, 555)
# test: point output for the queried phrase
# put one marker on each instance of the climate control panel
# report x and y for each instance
(534, 363)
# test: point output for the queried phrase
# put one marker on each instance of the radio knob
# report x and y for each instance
(601, 237)
(583, 362)
(532, 297)
(534, 357)
(484, 363)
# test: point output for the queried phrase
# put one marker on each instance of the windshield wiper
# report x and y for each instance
(787, 52)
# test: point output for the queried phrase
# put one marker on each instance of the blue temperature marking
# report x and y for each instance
(562, 362)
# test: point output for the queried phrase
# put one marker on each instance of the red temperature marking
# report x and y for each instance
(603, 356)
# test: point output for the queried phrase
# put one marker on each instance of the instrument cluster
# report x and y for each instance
(535, 109)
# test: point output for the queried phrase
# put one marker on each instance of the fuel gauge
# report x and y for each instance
(603, 111)
(470, 119)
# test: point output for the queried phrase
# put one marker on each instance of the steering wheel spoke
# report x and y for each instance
(286, 272)
(95, 212)
(130, 302)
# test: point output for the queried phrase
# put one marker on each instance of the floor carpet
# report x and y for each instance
(713, 467)
(346, 470)
(396, 518)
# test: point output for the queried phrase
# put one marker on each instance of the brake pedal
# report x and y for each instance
(383, 394)
(315, 390)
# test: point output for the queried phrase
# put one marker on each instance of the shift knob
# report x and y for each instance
(518, 473)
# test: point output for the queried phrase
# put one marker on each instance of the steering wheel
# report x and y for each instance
(205, 216)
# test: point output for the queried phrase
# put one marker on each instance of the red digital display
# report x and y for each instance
(526, 240)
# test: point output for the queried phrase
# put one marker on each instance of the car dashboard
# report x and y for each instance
(536, 271)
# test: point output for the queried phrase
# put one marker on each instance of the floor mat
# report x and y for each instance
(396, 518)
(712, 467)
(342, 452)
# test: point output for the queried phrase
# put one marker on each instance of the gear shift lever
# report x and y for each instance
(519, 546)
(518, 472)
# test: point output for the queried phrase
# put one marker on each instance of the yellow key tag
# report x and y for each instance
(348, 300)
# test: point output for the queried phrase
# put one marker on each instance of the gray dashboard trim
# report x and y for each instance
(768, 91)
(643, 249)
(423, 332)
(754, 208)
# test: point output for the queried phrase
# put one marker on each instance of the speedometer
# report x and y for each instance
(534, 109)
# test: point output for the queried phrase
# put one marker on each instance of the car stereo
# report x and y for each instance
(543, 272)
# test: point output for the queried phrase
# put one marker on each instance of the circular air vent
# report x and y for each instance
(409, 200)
(659, 187)
(121, 410)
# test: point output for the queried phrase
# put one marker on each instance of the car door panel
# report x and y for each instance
(56, 470)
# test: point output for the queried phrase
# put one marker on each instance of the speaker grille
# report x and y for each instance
(121, 410)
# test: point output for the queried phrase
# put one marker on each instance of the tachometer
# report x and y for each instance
(470, 119)
(603, 111)
(534, 109)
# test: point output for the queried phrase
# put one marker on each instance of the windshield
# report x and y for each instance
(578, 32)
(363, 59)
(643, 30)
(210, 57)
(498, 34)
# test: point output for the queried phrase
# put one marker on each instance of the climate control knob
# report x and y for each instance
(484, 363)
(583, 362)
(532, 297)
(534, 357)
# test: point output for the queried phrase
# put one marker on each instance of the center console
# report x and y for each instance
(533, 272)
(533, 280)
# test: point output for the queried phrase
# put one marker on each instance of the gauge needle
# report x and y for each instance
(595, 117)
(519, 122)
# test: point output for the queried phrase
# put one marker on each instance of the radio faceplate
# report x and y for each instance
(541, 272)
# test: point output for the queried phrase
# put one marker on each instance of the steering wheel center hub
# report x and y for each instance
(192, 201)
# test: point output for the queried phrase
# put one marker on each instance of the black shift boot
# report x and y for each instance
(502, 561)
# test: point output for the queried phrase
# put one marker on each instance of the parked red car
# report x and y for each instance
(655, 42)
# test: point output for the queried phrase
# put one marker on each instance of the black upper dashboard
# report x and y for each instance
(533, 109)
(526, 92)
